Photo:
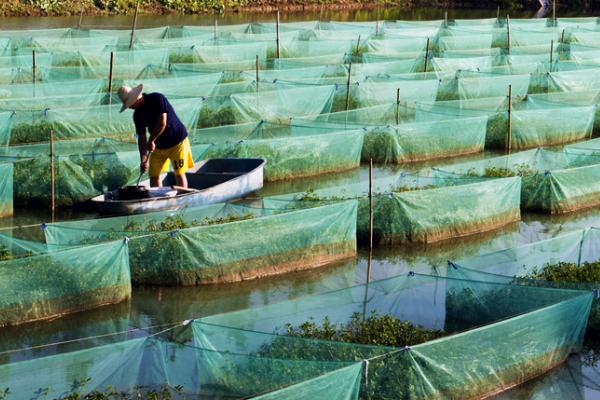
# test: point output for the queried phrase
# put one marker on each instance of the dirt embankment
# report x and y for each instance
(162, 7)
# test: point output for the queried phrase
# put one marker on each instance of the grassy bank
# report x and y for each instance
(159, 7)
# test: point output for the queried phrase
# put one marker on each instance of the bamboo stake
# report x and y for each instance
(216, 30)
(554, 13)
(369, 261)
(80, 17)
(551, 51)
(562, 36)
(278, 36)
(256, 68)
(370, 209)
(357, 46)
(34, 67)
(508, 31)
(135, 16)
(509, 133)
(348, 86)
(110, 76)
(52, 194)
(426, 55)
(398, 106)
(377, 27)
(446, 19)
(498, 13)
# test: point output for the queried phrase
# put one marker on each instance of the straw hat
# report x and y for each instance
(129, 96)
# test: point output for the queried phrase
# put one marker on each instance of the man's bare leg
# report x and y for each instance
(181, 180)
(155, 182)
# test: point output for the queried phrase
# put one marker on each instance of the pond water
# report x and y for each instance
(153, 307)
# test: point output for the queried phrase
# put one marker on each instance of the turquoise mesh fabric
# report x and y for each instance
(40, 285)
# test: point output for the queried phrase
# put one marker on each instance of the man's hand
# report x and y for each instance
(151, 146)
(144, 164)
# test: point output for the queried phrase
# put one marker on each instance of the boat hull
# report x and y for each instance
(229, 189)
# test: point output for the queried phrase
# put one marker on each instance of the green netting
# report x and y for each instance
(6, 123)
(578, 80)
(147, 366)
(79, 174)
(27, 90)
(6, 189)
(420, 141)
(403, 205)
(95, 121)
(213, 244)
(291, 151)
(533, 119)
(197, 86)
(540, 126)
(42, 285)
(479, 355)
(283, 103)
(577, 247)
(553, 182)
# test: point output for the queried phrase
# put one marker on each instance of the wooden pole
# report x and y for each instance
(498, 13)
(377, 27)
(216, 30)
(52, 185)
(554, 13)
(135, 16)
(80, 16)
(370, 210)
(357, 46)
(369, 261)
(110, 76)
(398, 106)
(508, 31)
(348, 86)
(509, 133)
(426, 54)
(34, 67)
(256, 68)
(278, 36)
(551, 51)
(446, 19)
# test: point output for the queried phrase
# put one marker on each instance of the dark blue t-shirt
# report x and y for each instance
(146, 115)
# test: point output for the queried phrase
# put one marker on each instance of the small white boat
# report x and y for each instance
(214, 181)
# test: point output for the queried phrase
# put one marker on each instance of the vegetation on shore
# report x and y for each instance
(157, 7)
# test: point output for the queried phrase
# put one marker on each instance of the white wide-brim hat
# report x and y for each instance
(129, 96)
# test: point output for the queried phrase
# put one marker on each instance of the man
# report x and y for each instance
(168, 139)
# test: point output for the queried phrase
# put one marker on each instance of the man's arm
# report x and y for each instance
(157, 130)
(142, 146)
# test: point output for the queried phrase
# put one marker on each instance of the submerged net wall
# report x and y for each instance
(39, 283)
(211, 244)
(553, 182)
(421, 209)
(240, 355)
(486, 314)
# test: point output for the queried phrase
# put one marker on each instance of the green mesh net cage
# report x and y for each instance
(403, 206)
(291, 151)
(468, 315)
(42, 283)
(553, 182)
(211, 244)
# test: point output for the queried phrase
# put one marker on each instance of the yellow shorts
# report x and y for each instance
(180, 156)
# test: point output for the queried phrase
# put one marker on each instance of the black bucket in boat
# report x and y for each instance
(134, 192)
